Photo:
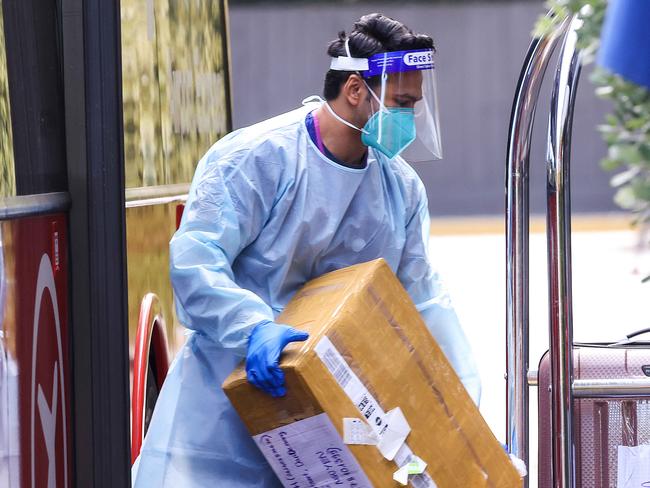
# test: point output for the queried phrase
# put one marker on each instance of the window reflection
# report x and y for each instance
(7, 172)
(175, 86)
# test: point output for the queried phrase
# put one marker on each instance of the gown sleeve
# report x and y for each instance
(229, 202)
(432, 299)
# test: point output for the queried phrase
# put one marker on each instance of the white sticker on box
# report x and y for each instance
(633, 466)
(394, 433)
(367, 404)
(357, 431)
(415, 466)
(310, 453)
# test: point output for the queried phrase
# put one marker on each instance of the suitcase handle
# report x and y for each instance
(629, 338)
(638, 332)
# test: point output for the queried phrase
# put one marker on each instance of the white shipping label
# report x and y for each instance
(633, 466)
(310, 453)
(368, 406)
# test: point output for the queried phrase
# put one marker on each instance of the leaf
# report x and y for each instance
(610, 164)
(641, 190)
(627, 153)
(625, 198)
(604, 91)
(624, 177)
(544, 26)
(644, 151)
(635, 123)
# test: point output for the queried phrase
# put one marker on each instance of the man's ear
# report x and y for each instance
(354, 90)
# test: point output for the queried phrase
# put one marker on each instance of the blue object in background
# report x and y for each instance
(625, 41)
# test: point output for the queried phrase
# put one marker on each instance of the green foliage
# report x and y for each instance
(627, 129)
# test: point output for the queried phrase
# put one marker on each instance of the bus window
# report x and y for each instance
(31, 91)
(175, 87)
(176, 104)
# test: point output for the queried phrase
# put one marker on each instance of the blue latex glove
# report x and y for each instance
(265, 345)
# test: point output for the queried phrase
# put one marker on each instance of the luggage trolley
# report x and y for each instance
(572, 462)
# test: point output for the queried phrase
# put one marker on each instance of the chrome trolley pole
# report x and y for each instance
(558, 217)
(517, 244)
(563, 387)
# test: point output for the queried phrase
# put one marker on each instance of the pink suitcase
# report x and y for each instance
(600, 424)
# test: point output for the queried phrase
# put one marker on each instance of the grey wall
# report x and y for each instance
(279, 58)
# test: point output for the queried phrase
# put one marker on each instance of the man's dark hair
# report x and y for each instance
(371, 34)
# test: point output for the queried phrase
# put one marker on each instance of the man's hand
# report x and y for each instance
(265, 345)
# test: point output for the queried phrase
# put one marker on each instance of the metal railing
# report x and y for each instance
(559, 247)
(31, 205)
(558, 233)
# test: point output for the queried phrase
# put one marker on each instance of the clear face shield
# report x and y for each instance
(405, 120)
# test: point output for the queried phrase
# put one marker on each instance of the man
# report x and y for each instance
(275, 205)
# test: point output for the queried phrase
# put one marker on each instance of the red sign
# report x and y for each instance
(38, 249)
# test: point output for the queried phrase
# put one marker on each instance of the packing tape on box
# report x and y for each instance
(415, 466)
(395, 445)
(358, 432)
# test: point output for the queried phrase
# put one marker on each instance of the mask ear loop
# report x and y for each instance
(382, 108)
(384, 77)
(327, 105)
(343, 121)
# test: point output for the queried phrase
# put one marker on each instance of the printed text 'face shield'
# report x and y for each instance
(406, 122)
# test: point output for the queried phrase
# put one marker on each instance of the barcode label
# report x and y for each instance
(337, 368)
(340, 369)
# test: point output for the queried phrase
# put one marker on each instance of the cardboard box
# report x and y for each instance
(369, 352)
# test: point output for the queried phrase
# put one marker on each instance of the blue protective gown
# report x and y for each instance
(267, 212)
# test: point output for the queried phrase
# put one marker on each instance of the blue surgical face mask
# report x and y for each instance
(390, 130)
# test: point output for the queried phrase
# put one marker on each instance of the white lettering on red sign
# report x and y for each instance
(48, 410)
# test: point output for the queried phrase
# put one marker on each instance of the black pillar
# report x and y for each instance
(94, 146)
